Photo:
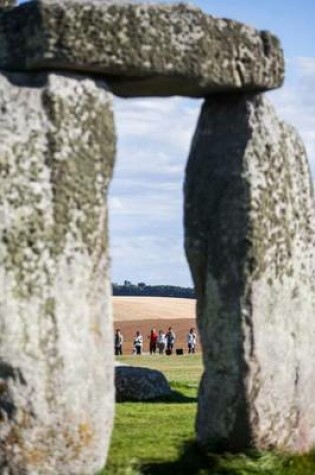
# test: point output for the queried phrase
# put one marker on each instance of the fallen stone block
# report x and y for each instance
(140, 384)
(141, 49)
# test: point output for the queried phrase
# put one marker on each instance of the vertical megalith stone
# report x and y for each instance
(249, 236)
(56, 366)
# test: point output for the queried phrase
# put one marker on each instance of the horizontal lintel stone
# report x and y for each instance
(141, 49)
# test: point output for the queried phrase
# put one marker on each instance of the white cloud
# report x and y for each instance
(167, 122)
(295, 103)
(149, 205)
(146, 200)
(150, 259)
(138, 161)
(307, 66)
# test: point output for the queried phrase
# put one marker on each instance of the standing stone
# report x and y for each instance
(57, 148)
(249, 220)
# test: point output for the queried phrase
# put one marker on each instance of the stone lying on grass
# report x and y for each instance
(139, 384)
(142, 49)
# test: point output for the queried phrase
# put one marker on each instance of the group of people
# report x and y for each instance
(159, 342)
(162, 342)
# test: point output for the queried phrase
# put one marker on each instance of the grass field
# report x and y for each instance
(157, 438)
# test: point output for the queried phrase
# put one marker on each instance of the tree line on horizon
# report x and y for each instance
(142, 289)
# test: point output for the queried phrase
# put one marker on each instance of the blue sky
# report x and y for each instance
(154, 137)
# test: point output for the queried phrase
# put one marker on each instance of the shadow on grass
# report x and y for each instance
(193, 461)
(176, 397)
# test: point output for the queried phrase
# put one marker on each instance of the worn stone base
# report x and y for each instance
(57, 147)
(249, 221)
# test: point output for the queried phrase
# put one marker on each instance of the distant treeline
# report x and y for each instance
(141, 289)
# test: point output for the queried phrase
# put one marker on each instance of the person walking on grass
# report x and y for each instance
(153, 341)
(118, 342)
(170, 341)
(191, 340)
(161, 342)
(138, 343)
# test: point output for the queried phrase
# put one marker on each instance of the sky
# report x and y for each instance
(154, 135)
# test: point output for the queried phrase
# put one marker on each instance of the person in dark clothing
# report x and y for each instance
(170, 341)
(118, 342)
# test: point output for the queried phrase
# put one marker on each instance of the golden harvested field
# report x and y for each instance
(147, 308)
(143, 313)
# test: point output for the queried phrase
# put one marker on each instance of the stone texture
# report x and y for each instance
(141, 49)
(56, 365)
(7, 3)
(249, 224)
(140, 384)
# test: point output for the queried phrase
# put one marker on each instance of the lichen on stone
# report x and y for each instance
(56, 158)
(249, 239)
(141, 49)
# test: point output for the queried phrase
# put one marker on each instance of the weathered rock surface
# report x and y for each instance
(141, 49)
(249, 219)
(140, 384)
(7, 3)
(56, 365)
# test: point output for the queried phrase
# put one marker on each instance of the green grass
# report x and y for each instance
(157, 438)
(175, 368)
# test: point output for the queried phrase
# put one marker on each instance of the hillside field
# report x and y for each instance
(152, 308)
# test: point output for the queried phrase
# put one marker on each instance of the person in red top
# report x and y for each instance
(153, 341)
